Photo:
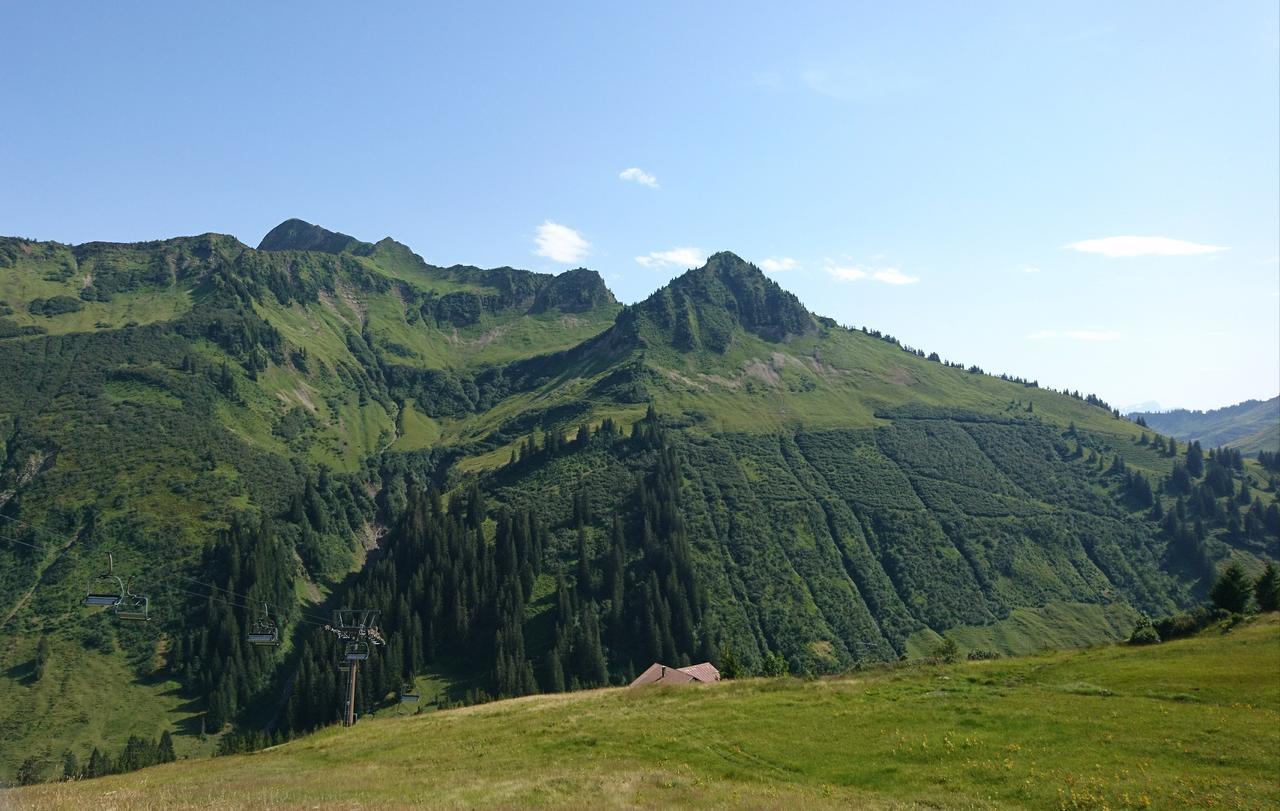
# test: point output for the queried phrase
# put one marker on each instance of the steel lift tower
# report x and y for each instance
(357, 629)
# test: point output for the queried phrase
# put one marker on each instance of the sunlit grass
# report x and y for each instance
(1187, 723)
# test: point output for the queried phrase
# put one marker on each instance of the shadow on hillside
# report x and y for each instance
(24, 674)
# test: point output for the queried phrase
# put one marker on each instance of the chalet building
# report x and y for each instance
(658, 673)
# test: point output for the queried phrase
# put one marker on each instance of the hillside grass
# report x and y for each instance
(86, 699)
(1029, 630)
(20, 286)
(1193, 722)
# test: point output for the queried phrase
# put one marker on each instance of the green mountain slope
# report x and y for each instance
(1251, 426)
(539, 488)
(1115, 727)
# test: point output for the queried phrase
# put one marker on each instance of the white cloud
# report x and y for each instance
(778, 264)
(676, 257)
(853, 273)
(560, 243)
(637, 175)
(1091, 335)
(1030, 269)
(845, 273)
(893, 276)
(1142, 246)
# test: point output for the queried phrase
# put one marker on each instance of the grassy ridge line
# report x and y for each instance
(1188, 723)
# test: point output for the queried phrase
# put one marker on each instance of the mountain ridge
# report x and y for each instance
(555, 488)
(1252, 425)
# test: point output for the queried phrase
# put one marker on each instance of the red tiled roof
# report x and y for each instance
(658, 673)
(705, 672)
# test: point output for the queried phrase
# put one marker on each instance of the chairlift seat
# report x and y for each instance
(409, 697)
(357, 655)
(105, 590)
(264, 632)
(134, 608)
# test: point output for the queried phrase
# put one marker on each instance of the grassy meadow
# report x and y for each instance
(1188, 723)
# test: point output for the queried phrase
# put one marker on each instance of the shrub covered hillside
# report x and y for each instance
(538, 488)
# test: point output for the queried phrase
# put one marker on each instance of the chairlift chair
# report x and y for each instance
(133, 607)
(357, 651)
(105, 590)
(409, 693)
(265, 632)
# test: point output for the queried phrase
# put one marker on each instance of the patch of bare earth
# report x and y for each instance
(763, 371)
(672, 374)
(353, 303)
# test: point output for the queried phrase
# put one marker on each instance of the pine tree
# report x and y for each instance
(584, 564)
(1233, 590)
(1195, 460)
(554, 672)
(165, 753)
(70, 766)
(99, 764)
(1267, 589)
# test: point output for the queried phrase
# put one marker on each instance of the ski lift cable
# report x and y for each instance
(175, 588)
(259, 604)
(23, 543)
(313, 619)
(238, 605)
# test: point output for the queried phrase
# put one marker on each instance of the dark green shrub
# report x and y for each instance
(945, 651)
(1144, 633)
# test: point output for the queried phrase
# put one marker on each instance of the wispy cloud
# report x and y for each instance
(1030, 269)
(676, 257)
(560, 243)
(1143, 246)
(638, 175)
(1092, 335)
(778, 264)
(855, 83)
(854, 273)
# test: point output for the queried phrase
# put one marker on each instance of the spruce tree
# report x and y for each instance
(70, 766)
(1267, 589)
(1233, 590)
(165, 753)
(1195, 460)
(99, 764)
(554, 679)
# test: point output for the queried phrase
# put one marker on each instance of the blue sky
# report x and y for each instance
(919, 168)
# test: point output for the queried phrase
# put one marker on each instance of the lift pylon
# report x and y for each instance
(357, 629)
